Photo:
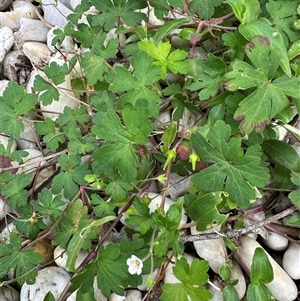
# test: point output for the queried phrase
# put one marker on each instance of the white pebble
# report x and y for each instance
(6, 41)
(53, 279)
(8, 293)
(38, 53)
(275, 241)
(33, 30)
(212, 250)
(291, 261)
(5, 4)
(55, 12)
(12, 18)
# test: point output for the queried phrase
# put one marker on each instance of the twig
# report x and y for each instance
(234, 233)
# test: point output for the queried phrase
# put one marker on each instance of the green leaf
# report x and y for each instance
(205, 8)
(23, 262)
(79, 144)
(173, 61)
(102, 208)
(261, 268)
(13, 104)
(49, 92)
(270, 96)
(116, 10)
(120, 155)
(245, 10)
(209, 82)
(71, 175)
(264, 27)
(259, 293)
(72, 117)
(85, 231)
(283, 16)
(167, 28)
(95, 66)
(230, 293)
(49, 297)
(232, 170)
(204, 211)
(283, 153)
(112, 273)
(14, 191)
(137, 85)
(48, 205)
(294, 195)
(192, 278)
(56, 73)
(51, 136)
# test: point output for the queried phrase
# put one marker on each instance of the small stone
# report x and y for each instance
(53, 279)
(33, 30)
(38, 53)
(12, 18)
(55, 12)
(4, 4)
(14, 59)
(7, 293)
(291, 261)
(6, 41)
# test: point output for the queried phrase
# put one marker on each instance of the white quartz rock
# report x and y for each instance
(14, 59)
(133, 295)
(216, 289)
(130, 295)
(6, 41)
(3, 209)
(38, 53)
(8, 293)
(5, 233)
(33, 161)
(212, 250)
(237, 273)
(53, 279)
(61, 257)
(275, 241)
(12, 18)
(5, 4)
(282, 287)
(28, 137)
(178, 186)
(291, 261)
(55, 12)
(33, 30)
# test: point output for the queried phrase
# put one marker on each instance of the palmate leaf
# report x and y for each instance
(120, 154)
(192, 278)
(113, 11)
(269, 96)
(23, 262)
(71, 175)
(14, 103)
(137, 85)
(205, 8)
(232, 170)
(209, 81)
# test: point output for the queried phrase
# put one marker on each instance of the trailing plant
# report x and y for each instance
(234, 69)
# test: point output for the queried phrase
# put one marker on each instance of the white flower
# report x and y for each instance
(135, 265)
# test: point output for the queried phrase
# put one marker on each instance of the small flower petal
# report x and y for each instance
(135, 265)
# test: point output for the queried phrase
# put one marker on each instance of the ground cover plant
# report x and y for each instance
(202, 93)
